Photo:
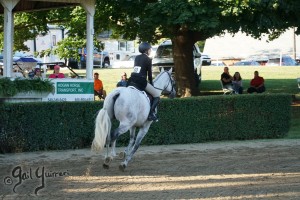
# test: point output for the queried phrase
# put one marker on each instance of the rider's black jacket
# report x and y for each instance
(139, 79)
(146, 66)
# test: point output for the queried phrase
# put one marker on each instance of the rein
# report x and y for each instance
(170, 81)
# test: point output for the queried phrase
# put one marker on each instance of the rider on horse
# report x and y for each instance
(142, 69)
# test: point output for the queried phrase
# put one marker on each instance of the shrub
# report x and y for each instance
(70, 125)
(10, 87)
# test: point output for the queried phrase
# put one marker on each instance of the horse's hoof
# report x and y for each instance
(107, 160)
(122, 167)
(122, 155)
(105, 166)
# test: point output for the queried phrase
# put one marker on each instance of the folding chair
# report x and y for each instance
(226, 90)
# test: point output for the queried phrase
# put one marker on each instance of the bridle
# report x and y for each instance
(171, 81)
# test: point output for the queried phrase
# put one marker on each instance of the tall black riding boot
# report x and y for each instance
(152, 115)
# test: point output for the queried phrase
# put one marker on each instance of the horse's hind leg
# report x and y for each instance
(107, 159)
(142, 132)
(131, 142)
(115, 134)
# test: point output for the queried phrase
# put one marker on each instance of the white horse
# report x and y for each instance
(131, 108)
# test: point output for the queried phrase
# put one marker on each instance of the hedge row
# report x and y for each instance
(70, 125)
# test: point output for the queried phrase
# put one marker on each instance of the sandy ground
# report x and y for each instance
(263, 169)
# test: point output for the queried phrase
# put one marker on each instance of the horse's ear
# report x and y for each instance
(162, 69)
(171, 69)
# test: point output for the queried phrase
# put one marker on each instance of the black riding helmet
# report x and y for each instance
(144, 47)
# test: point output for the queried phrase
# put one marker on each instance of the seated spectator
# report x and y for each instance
(123, 81)
(56, 73)
(257, 84)
(17, 74)
(37, 73)
(237, 83)
(30, 74)
(98, 87)
(226, 79)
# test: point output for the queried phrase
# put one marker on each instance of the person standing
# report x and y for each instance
(141, 70)
(237, 83)
(56, 73)
(226, 79)
(257, 84)
(98, 87)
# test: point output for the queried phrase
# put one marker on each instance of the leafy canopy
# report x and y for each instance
(183, 21)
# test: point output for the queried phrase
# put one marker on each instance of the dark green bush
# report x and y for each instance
(70, 125)
(10, 87)
(222, 118)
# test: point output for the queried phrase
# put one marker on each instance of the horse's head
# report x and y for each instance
(165, 82)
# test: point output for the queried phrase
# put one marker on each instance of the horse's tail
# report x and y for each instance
(103, 121)
(102, 129)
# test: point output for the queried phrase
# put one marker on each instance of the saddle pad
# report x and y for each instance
(143, 92)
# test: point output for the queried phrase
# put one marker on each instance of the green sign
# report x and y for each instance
(74, 88)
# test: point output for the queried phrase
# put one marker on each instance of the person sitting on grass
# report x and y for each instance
(226, 79)
(257, 84)
(237, 83)
(98, 87)
(123, 81)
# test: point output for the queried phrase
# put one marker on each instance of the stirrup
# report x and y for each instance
(152, 117)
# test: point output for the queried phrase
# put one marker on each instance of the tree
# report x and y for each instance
(183, 21)
(188, 21)
(28, 25)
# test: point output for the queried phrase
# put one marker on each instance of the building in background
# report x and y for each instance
(49, 41)
(117, 49)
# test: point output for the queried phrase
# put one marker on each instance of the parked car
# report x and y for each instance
(218, 63)
(298, 60)
(153, 51)
(101, 59)
(285, 61)
(163, 58)
(246, 63)
(128, 63)
(205, 60)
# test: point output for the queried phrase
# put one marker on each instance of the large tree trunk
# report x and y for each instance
(184, 64)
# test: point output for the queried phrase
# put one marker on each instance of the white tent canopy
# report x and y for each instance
(9, 7)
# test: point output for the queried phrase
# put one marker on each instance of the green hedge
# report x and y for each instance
(10, 87)
(70, 125)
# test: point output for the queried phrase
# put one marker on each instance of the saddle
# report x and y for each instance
(147, 95)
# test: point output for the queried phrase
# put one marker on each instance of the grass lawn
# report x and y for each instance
(277, 80)
(109, 77)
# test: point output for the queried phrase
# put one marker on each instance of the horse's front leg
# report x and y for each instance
(123, 154)
(141, 134)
